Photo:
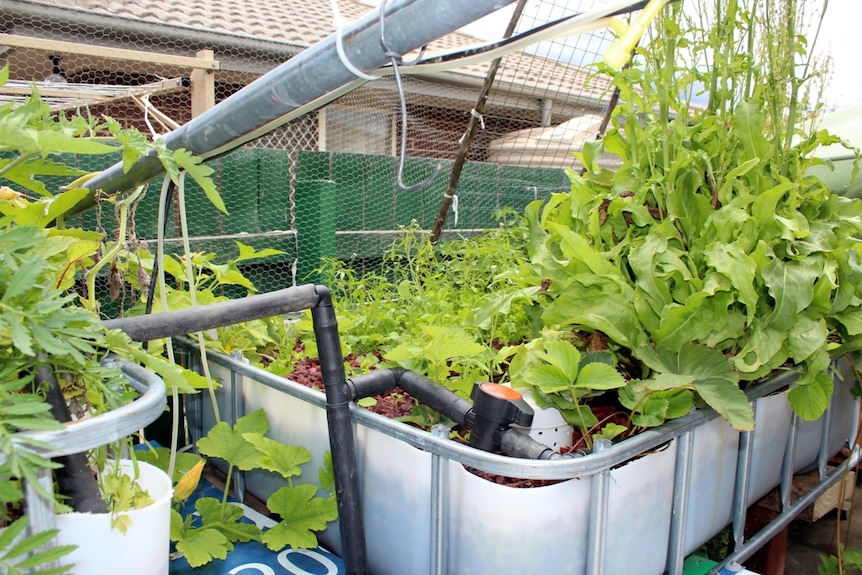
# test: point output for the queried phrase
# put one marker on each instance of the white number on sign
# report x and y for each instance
(284, 561)
(259, 567)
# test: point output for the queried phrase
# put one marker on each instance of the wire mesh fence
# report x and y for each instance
(330, 183)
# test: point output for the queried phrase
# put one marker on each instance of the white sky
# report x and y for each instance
(840, 26)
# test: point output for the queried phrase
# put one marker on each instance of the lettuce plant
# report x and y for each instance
(710, 258)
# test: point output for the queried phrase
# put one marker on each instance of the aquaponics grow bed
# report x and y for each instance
(638, 507)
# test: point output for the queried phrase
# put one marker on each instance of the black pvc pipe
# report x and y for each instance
(513, 442)
(424, 390)
(341, 439)
(342, 445)
(211, 316)
(436, 397)
(516, 443)
(75, 480)
(372, 383)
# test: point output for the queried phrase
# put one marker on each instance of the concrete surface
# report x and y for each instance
(808, 541)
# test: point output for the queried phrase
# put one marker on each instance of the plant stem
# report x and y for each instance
(227, 479)
(192, 293)
(20, 159)
(123, 206)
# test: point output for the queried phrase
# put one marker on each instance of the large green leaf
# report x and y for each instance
(732, 261)
(747, 122)
(762, 352)
(201, 546)
(808, 336)
(227, 519)
(791, 285)
(278, 457)
(809, 401)
(691, 321)
(645, 259)
(548, 378)
(228, 443)
(562, 355)
(201, 174)
(600, 304)
(599, 376)
(728, 400)
(302, 513)
(577, 249)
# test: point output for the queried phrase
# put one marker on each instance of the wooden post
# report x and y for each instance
(769, 559)
(203, 86)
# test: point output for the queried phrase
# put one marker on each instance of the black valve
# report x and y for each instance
(495, 407)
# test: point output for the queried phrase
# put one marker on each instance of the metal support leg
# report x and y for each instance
(740, 492)
(439, 506)
(681, 490)
(598, 516)
(787, 466)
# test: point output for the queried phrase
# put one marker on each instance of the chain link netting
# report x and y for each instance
(324, 184)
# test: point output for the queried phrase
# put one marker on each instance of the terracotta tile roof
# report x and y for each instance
(303, 23)
(300, 23)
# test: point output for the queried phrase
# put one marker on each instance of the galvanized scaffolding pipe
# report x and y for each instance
(308, 78)
(681, 492)
(439, 506)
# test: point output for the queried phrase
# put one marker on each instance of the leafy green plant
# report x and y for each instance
(50, 318)
(423, 295)
(20, 555)
(710, 243)
(847, 561)
(447, 354)
(212, 533)
(562, 377)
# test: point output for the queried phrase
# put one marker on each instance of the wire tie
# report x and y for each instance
(479, 117)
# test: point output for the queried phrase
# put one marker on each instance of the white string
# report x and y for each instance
(146, 99)
(338, 22)
(169, 347)
(454, 198)
(479, 117)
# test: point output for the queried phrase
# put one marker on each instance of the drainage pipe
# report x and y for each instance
(75, 480)
(285, 92)
(341, 441)
(426, 391)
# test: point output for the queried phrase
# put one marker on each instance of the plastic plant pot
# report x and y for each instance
(145, 546)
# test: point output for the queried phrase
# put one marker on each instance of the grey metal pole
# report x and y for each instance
(439, 506)
(282, 94)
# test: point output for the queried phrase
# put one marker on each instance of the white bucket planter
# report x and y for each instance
(142, 550)
(494, 529)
